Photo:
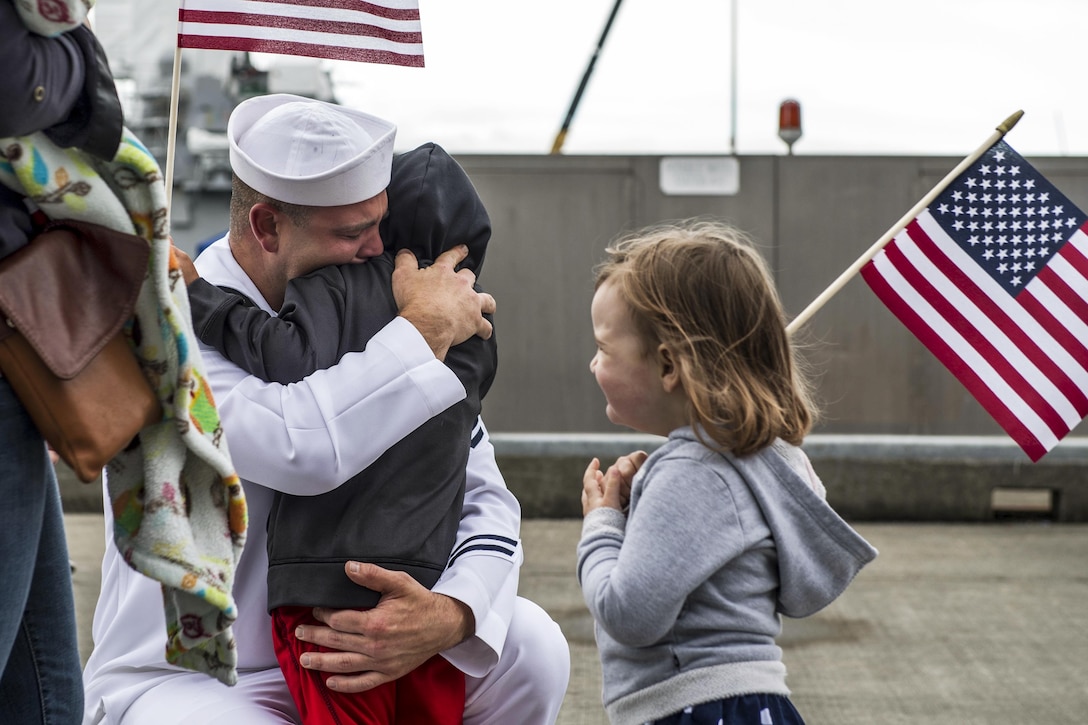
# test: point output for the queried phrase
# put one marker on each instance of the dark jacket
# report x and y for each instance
(403, 511)
(61, 86)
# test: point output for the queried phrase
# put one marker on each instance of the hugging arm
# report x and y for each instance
(286, 348)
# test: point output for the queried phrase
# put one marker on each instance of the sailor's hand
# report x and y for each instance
(441, 302)
(409, 625)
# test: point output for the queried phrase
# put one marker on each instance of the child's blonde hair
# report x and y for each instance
(702, 290)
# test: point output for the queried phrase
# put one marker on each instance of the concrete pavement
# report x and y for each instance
(954, 624)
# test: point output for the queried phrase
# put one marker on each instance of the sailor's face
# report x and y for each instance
(335, 235)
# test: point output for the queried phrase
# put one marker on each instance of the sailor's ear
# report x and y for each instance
(264, 223)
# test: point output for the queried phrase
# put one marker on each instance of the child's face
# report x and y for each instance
(630, 379)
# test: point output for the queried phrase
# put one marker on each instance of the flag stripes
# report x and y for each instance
(387, 32)
(1022, 357)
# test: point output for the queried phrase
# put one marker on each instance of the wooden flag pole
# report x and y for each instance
(854, 268)
(172, 129)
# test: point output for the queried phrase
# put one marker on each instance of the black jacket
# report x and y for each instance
(403, 511)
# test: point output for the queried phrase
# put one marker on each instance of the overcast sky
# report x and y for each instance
(872, 77)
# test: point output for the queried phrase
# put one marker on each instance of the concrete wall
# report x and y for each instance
(813, 216)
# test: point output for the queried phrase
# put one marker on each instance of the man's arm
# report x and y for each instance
(465, 616)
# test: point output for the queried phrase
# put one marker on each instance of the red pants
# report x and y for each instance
(431, 694)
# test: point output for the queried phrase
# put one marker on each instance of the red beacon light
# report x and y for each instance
(789, 122)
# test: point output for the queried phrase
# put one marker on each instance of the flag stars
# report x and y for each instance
(1007, 217)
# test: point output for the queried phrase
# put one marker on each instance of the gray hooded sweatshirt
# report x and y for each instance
(687, 588)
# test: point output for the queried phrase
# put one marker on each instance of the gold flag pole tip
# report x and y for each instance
(1009, 122)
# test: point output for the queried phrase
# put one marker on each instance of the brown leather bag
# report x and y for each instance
(65, 298)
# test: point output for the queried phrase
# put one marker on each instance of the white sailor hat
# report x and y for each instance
(301, 151)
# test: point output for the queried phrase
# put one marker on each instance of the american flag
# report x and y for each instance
(383, 31)
(993, 279)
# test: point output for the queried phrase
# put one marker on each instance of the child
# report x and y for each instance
(403, 511)
(688, 556)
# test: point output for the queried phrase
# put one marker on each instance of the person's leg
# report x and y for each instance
(431, 694)
(187, 698)
(317, 704)
(528, 683)
(39, 651)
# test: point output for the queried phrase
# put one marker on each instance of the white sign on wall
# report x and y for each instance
(699, 175)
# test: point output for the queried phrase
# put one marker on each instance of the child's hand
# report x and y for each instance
(623, 472)
(594, 489)
(185, 264)
(611, 488)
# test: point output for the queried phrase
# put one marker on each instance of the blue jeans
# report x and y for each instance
(39, 652)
